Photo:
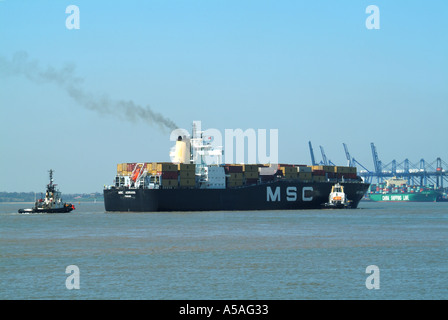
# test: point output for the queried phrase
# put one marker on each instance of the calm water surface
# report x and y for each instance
(306, 254)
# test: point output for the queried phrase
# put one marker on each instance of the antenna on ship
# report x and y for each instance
(51, 176)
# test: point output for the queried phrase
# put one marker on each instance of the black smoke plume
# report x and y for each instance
(21, 65)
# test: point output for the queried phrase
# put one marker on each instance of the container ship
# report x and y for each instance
(194, 182)
(398, 190)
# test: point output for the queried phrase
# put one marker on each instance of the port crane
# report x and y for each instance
(377, 164)
(325, 161)
(347, 155)
(422, 173)
(352, 162)
(313, 160)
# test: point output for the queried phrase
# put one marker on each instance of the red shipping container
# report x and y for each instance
(319, 172)
(131, 167)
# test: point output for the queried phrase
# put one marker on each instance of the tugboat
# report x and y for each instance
(52, 203)
(337, 198)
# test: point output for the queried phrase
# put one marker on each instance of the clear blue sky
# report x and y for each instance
(310, 69)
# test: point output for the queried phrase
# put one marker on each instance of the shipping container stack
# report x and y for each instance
(289, 171)
(234, 175)
(187, 175)
(127, 169)
(172, 175)
(127, 173)
(120, 169)
(250, 174)
(322, 173)
(318, 173)
(183, 175)
(168, 172)
(345, 172)
(304, 173)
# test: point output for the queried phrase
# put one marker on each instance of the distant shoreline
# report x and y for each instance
(30, 197)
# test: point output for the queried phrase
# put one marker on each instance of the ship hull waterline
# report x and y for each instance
(279, 195)
(49, 210)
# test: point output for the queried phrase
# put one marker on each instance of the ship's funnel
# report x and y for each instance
(182, 150)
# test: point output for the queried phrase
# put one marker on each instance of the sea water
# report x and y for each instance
(378, 251)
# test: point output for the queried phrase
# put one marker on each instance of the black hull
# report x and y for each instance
(337, 206)
(54, 210)
(280, 195)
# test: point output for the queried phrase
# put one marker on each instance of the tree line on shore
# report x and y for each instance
(32, 196)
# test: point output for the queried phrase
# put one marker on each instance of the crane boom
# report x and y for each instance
(313, 161)
(347, 154)
(324, 157)
(376, 161)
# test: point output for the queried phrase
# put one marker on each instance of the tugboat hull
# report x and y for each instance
(53, 210)
(337, 206)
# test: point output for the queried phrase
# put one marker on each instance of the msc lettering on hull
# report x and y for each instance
(291, 194)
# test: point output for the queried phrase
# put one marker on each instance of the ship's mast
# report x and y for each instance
(51, 187)
(51, 177)
(197, 148)
(202, 153)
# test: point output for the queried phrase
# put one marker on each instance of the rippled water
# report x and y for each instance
(306, 254)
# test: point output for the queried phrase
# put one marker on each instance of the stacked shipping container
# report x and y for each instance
(304, 173)
(288, 171)
(187, 175)
(168, 172)
(183, 175)
(321, 173)
(234, 173)
(251, 173)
